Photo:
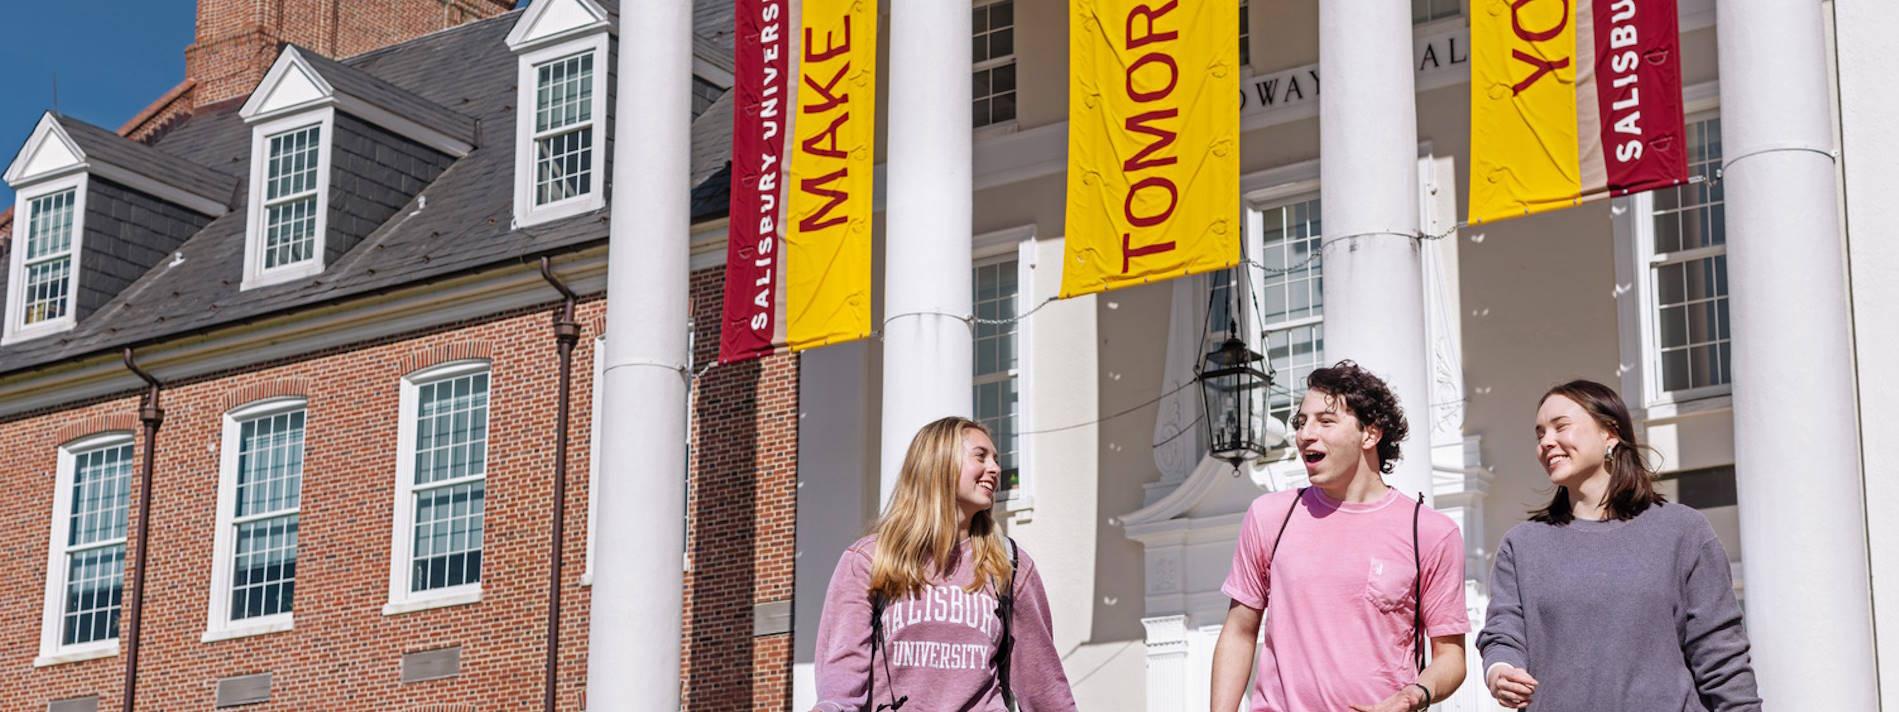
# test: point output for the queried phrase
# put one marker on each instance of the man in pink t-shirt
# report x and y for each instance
(1339, 565)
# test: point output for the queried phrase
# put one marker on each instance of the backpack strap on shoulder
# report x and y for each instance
(1005, 610)
(1417, 585)
(1296, 497)
(877, 604)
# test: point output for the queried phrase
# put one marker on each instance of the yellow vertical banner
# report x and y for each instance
(1525, 153)
(827, 242)
(1153, 142)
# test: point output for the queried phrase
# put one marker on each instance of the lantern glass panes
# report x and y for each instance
(1233, 388)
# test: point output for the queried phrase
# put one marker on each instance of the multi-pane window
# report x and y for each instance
(448, 482)
(704, 93)
(268, 497)
(563, 128)
(1246, 34)
(1689, 267)
(1291, 304)
(48, 261)
(995, 373)
(290, 196)
(1423, 11)
(93, 548)
(993, 49)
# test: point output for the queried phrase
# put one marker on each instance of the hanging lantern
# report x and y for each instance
(1233, 388)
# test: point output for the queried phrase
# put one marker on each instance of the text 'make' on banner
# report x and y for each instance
(827, 283)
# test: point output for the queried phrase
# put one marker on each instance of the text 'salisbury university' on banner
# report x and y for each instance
(817, 290)
(1153, 142)
(1572, 101)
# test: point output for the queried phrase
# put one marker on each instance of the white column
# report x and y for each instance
(633, 635)
(1796, 447)
(1868, 101)
(927, 225)
(1368, 185)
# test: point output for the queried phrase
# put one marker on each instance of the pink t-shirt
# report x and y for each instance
(1339, 630)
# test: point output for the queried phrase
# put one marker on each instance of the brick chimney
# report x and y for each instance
(238, 39)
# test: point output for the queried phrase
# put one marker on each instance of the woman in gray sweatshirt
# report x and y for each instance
(1611, 598)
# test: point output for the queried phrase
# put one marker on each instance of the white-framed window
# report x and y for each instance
(996, 392)
(993, 51)
(1291, 300)
(85, 577)
(1688, 271)
(1423, 11)
(289, 204)
(43, 282)
(1677, 240)
(559, 169)
(260, 493)
(441, 473)
(1246, 34)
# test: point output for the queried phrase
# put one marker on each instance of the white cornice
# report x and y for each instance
(553, 21)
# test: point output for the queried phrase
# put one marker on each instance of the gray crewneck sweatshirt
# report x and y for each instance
(1620, 615)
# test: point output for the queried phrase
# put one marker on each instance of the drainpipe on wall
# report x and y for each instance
(150, 415)
(566, 336)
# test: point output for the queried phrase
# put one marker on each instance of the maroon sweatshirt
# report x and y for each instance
(939, 645)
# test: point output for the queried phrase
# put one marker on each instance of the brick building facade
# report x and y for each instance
(343, 345)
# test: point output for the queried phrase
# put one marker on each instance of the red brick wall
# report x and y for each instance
(743, 507)
(344, 653)
(238, 39)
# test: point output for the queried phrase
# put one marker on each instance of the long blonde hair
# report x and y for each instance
(916, 537)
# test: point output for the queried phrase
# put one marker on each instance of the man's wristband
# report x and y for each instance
(1427, 694)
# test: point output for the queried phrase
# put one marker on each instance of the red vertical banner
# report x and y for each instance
(1638, 91)
(754, 251)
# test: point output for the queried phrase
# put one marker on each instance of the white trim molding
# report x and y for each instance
(402, 596)
(589, 39)
(593, 450)
(17, 330)
(553, 21)
(218, 622)
(52, 652)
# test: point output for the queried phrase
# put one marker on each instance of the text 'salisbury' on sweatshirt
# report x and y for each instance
(1637, 614)
(940, 645)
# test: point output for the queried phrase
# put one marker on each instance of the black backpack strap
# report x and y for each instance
(1417, 584)
(876, 641)
(1301, 494)
(1005, 610)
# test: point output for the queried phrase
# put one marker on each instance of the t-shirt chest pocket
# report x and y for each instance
(1389, 584)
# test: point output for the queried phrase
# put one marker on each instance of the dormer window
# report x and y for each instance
(559, 167)
(317, 123)
(93, 210)
(48, 262)
(291, 198)
(563, 129)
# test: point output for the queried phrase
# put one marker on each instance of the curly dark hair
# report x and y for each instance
(1371, 401)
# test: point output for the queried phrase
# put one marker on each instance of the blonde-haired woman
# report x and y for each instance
(936, 609)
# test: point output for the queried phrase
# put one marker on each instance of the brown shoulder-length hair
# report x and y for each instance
(1631, 481)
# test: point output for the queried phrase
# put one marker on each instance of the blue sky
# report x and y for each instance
(112, 58)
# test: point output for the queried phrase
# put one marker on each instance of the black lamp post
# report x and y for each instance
(1233, 388)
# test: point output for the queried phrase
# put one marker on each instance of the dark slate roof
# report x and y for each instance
(714, 21)
(712, 137)
(105, 146)
(346, 79)
(459, 223)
